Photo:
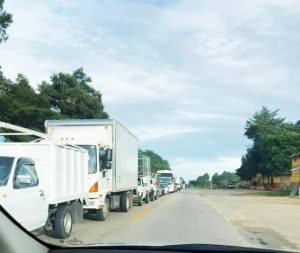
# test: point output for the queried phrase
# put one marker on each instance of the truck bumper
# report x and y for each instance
(94, 204)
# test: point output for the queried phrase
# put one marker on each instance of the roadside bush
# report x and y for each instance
(285, 190)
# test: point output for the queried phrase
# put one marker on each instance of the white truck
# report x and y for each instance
(155, 187)
(43, 184)
(113, 161)
(143, 190)
(178, 182)
(166, 178)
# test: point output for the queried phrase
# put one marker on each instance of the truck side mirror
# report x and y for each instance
(23, 181)
(109, 154)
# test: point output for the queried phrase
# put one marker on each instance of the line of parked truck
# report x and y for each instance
(79, 168)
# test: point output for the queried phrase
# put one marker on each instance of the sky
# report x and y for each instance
(183, 76)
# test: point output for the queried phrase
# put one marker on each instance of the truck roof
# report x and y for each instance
(79, 122)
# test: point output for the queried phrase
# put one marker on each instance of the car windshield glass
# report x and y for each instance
(92, 157)
(5, 168)
(199, 99)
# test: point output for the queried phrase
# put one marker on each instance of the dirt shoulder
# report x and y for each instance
(267, 222)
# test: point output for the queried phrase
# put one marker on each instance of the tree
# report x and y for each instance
(5, 21)
(72, 96)
(21, 105)
(274, 140)
(203, 181)
(224, 179)
(262, 122)
(157, 162)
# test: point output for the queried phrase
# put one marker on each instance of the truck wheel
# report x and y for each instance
(147, 198)
(125, 202)
(102, 213)
(63, 222)
(140, 201)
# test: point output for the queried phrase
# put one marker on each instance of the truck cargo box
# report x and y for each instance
(62, 170)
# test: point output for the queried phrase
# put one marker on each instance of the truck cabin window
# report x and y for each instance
(92, 157)
(25, 176)
(5, 168)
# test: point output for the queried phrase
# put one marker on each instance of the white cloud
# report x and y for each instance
(190, 168)
(205, 116)
(196, 65)
(145, 133)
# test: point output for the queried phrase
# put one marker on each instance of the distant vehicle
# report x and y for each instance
(143, 191)
(230, 186)
(113, 161)
(167, 177)
(43, 184)
(164, 189)
(178, 182)
(154, 187)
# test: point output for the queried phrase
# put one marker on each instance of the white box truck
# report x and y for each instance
(113, 162)
(43, 183)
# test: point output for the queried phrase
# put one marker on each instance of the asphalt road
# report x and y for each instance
(177, 218)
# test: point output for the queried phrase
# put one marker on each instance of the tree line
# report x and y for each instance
(216, 181)
(157, 162)
(65, 96)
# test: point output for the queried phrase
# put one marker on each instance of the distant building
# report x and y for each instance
(291, 178)
(295, 177)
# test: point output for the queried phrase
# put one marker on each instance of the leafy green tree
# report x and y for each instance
(224, 179)
(73, 96)
(203, 181)
(274, 140)
(21, 105)
(157, 162)
(5, 21)
(262, 122)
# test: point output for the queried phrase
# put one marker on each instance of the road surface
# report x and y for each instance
(178, 218)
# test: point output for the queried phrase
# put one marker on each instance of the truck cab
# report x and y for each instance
(144, 184)
(142, 193)
(21, 193)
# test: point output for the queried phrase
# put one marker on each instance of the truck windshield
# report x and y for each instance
(92, 157)
(5, 168)
(166, 180)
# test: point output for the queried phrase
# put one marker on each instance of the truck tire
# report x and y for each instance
(63, 222)
(140, 201)
(147, 198)
(125, 202)
(102, 213)
(151, 196)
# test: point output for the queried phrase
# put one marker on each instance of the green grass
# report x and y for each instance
(271, 193)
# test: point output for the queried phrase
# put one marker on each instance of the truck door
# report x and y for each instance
(105, 173)
(26, 200)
